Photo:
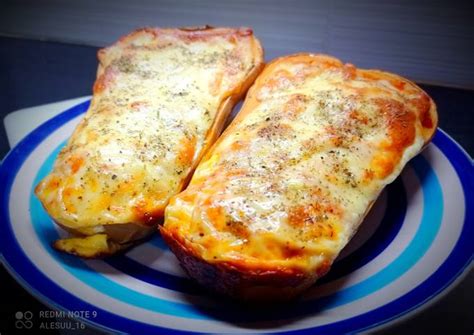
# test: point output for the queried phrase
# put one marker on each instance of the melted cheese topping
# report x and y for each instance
(291, 179)
(158, 94)
(89, 247)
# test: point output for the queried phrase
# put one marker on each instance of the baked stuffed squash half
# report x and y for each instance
(160, 100)
(286, 186)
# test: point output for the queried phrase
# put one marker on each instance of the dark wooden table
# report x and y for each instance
(37, 72)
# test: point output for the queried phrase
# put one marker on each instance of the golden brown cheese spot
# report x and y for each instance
(291, 251)
(368, 175)
(146, 213)
(49, 185)
(349, 72)
(279, 80)
(186, 151)
(69, 194)
(295, 106)
(215, 215)
(76, 162)
(422, 105)
(326, 63)
(137, 105)
(91, 136)
(399, 84)
(229, 173)
(239, 145)
(233, 62)
(337, 137)
(102, 202)
(369, 75)
(383, 164)
(323, 268)
(401, 123)
(372, 77)
(187, 196)
(401, 134)
(104, 81)
(315, 218)
(237, 228)
(359, 117)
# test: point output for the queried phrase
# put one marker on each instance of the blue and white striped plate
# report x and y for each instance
(414, 243)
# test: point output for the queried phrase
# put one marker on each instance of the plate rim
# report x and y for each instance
(36, 136)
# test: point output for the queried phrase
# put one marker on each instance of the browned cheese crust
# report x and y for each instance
(287, 185)
(160, 101)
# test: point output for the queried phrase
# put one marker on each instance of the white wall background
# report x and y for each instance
(427, 41)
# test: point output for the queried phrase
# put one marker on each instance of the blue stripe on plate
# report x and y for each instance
(152, 276)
